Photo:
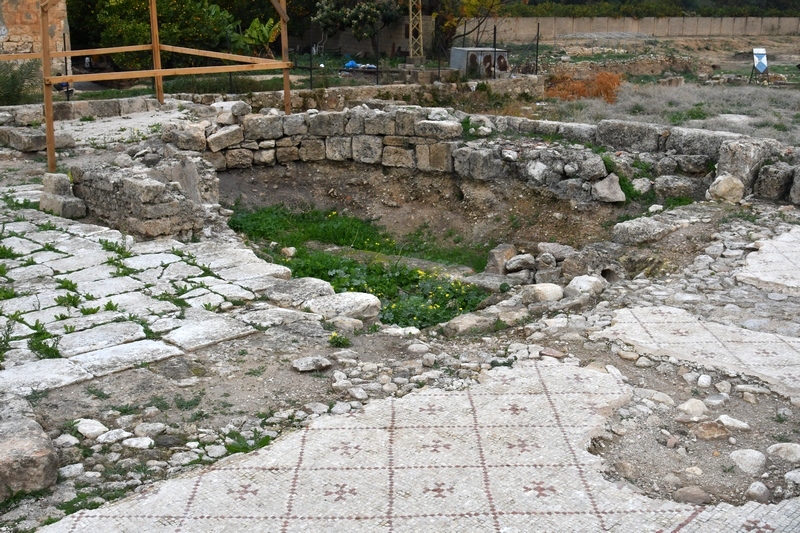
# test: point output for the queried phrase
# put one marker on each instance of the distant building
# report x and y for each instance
(20, 28)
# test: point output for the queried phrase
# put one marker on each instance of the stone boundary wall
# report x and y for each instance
(330, 99)
(20, 29)
(685, 161)
(523, 29)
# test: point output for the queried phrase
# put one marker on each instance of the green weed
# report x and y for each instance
(67, 284)
(241, 445)
(97, 392)
(339, 341)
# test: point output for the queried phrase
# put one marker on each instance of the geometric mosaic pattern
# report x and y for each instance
(674, 332)
(508, 455)
(776, 264)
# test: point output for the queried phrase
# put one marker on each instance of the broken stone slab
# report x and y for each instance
(352, 304)
(28, 460)
(254, 270)
(743, 158)
(493, 282)
(90, 428)
(632, 136)
(640, 230)
(608, 190)
(520, 262)
(311, 364)
(585, 285)
(138, 304)
(124, 356)
(498, 256)
(726, 188)
(276, 316)
(100, 337)
(698, 142)
(204, 329)
(541, 292)
(774, 181)
(41, 375)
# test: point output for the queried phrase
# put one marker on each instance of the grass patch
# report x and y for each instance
(410, 297)
(43, 343)
(88, 500)
(97, 392)
(187, 404)
(7, 253)
(239, 444)
(672, 202)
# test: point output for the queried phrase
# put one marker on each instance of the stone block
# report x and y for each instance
(338, 148)
(439, 129)
(28, 461)
(312, 150)
(379, 123)
(743, 158)
(498, 256)
(62, 111)
(435, 157)
(295, 124)
(579, 133)
(405, 119)
(476, 164)
(64, 140)
(726, 188)
(236, 108)
(288, 141)
(699, 142)
(143, 190)
(192, 137)
(225, 137)
(395, 140)
(104, 108)
(259, 127)
(674, 186)
(216, 160)
(633, 136)
(56, 184)
(25, 115)
(264, 157)
(62, 206)
(394, 156)
(27, 140)
(352, 304)
(774, 181)
(327, 124)
(367, 149)
(285, 154)
(239, 158)
(132, 105)
(355, 122)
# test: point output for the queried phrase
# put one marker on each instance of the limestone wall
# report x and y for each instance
(20, 29)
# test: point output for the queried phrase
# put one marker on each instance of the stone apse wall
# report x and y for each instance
(20, 28)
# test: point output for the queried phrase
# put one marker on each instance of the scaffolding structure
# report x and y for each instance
(415, 28)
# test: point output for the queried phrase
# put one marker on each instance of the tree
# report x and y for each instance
(449, 17)
(189, 23)
(364, 19)
(259, 36)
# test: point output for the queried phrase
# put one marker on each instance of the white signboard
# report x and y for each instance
(760, 59)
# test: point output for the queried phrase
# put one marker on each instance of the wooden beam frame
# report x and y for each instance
(247, 64)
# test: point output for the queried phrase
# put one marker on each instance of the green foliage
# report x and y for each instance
(7, 252)
(339, 341)
(364, 19)
(20, 83)
(87, 118)
(159, 403)
(97, 392)
(111, 306)
(185, 404)
(43, 343)
(672, 202)
(66, 284)
(89, 310)
(88, 499)
(189, 23)
(239, 444)
(68, 300)
(259, 36)
(118, 248)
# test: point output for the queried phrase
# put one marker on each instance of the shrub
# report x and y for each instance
(20, 83)
(604, 85)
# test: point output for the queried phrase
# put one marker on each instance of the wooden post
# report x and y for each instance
(287, 88)
(156, 50)
(48, 86)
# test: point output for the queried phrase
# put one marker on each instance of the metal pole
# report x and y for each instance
(66, 68)
(536, 67)
(494, 54)
(311, 68)
(230, 74)
(464, 39)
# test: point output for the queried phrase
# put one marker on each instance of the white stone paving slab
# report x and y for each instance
(254, 270)
(87, 274)
(47, 237)
(40, 375)
(233, 292)
(20, 246)
(142, 262)
(100, 337)
(204, 329)
(776, 264)
(125, 356)
(138, 304)
(156, 246)
(78, 245)
(180, 270)
(81, 262)
(79, 322)
(222, 259)
(30, 272)
(110, 286)
(674, 332)
(49, 316)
